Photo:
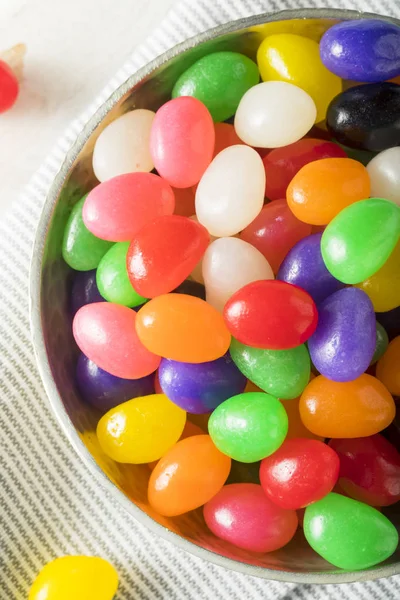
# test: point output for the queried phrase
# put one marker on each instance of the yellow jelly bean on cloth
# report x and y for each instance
(75, 578)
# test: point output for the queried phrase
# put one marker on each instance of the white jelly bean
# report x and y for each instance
(274, 114)
(231, 192)
(124, 146)
(229, 263)
(384, 173)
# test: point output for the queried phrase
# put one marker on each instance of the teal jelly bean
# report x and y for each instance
(81, 249)
(382, 342)
(248, 427)
(112, 277)
(349, 534)
(360, 239)
(219, 80)
(282, 373)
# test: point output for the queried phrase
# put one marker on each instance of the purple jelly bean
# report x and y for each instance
(344, 342)
(105, 391)
(304, 266)
(365, 50)
(84, 290)
(199, 388)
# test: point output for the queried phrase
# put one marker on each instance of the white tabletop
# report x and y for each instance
(73, 48)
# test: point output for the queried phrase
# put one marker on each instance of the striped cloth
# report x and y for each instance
(50, 504)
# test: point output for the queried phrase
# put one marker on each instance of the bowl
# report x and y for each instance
(55, 349)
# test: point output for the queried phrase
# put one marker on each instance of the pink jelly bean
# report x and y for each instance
(116, 209)
(182, 141)
(241, 514)
(106, 334)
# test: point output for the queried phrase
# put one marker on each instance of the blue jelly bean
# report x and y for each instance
(84, 290)
(365, 50)
(344, 342)
(199, 388)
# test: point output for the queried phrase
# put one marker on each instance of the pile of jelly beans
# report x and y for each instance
(237, 295)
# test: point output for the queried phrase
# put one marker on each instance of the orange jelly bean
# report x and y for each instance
(225, 136)
(188, 476)
(388, 367)
(183, 328)
(321, 189)
(297, 429)
(352, 409)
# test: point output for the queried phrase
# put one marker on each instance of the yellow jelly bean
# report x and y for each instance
(295, 59)
(383, 288)
(75, 578)
(141, 430)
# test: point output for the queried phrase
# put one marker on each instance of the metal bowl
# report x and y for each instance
(51, 320)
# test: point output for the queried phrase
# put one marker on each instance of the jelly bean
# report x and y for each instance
(124, 146)
(231, 192)
(383, 288)
(182, 141)
(189, 430)
(105, 391)
(282, 373)
(254, 315)
(182, 327)
(300, 472)
(321, 189)
(77, 577)
(192, 464)
(219, 80)
(241, 514)
(141, 430)
(199, 388)
(282, 57)
(390, 320)
(249, 426)
(366, 117)
(191, 288)
(282, 164)
(106, 334)
(296, 427)
(382, 342)
(358, 242)
(81, 250)
(369, 469)
(274, 231)
(112, 278)
(225, 136)
(118, 208)
(388, 367)
(9, 87)
(184, 201)
(384, 174)
(274, 114)
(84, 290)
(363, 50)
(304, 267)
(349, 534)
(228, 265)
(357, 408)
(163, 253)
(344, 342)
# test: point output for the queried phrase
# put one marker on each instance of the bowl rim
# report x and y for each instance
(36, 326)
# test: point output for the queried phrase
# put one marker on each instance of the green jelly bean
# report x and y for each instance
(219, 80)
(81, 249)
(349, 534)
(360, 239)
(112, 277)
(382, 342)
(248, 427)
(282, 373)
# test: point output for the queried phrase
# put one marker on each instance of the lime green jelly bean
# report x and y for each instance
(349, 534)
(382, 342)
(219, 80)
(81, 249)
(112, 277)
(360, 239)
(282, 373)
(248, 427)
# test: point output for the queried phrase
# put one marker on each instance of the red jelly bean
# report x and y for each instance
(271, 314)
(163, 253)
(241, 514)
(118, 208)
(369, 469)
(9, 87)
(282, 164)
(225, 136)
(300, 472)
(182, 141)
